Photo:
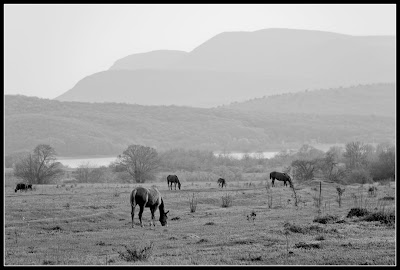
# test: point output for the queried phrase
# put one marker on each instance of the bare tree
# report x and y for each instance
(141, 162)
(39, 167)
(82, 173)
(356, 154)
(303, 169)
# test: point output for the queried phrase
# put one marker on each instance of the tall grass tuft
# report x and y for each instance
(137, 254)
(227, 200)
(340, 192)
(193, 204)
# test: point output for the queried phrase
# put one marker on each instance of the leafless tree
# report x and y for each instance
(83, 172)
(39, 167)
(303, 169)
(356, 154)
(141, 162)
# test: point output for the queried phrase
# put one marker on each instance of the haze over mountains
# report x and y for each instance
(273, 123)
(237, 66)
(239, 91)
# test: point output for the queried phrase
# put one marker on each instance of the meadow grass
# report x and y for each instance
(91, 225)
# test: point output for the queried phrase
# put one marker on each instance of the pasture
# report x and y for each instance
(89, 224)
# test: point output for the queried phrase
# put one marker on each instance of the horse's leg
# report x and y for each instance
(153, 210)
(140, 214)
(132, 214)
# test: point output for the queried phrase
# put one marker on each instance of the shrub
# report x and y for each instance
(340, 192)
(307, 245)
(326, 219)
(192, 204)
(358, 212)
(210, 223)
(137, 254)
(385, 217)
(227, 200)
(302, 229)
(360, 176)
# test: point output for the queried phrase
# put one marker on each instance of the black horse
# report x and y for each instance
(221, 182)
(22, 186)
(173, 179)
(151, 198)
(280, 177)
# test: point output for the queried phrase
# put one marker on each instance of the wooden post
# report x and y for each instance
(320, 190)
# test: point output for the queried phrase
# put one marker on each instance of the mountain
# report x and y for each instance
(235, 66)
(154, 59)
(372, 99)
(77, 128)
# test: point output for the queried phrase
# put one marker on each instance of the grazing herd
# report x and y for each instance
(151, 198)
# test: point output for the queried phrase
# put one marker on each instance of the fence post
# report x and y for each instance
(320, 190)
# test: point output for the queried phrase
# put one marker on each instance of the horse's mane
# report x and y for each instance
(161, 206)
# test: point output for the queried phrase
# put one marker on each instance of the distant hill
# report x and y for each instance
(373, 99)
(235, 66)
(76, 128)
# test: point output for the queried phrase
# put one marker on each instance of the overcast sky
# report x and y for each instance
(49, 48)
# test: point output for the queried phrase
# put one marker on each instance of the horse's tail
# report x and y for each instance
(270, 176)
(132, 197)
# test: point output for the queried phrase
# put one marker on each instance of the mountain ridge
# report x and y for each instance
(79, 128)
(269, 61)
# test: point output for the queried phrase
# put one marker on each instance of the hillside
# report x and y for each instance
(76, 128)
(235, 66)
(373, 99)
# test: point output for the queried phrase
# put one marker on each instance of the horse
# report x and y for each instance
(221, 182)
(22, 186)
(280, 177)
(151, 198)
(173, 179)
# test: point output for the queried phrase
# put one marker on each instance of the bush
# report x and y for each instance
(359, 176)
(326, 219)
(137, 254)
(385, 217)
(358, 212)
(302, 229)
(227, 200)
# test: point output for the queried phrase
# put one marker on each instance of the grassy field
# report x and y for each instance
(91, 225)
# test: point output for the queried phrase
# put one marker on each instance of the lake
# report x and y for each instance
(96, 162)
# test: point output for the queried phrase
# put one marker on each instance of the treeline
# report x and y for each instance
(355, 163)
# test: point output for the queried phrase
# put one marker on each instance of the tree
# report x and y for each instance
(82, 173)
(356, 155)
(303, 169)
(329, 164)
(141, 162)
(39, 167)
(385, 166)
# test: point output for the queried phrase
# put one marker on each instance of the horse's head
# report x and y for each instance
(179, 185)
(163, 218)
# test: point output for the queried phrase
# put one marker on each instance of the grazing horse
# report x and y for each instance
(173, 179)
(221, 182)
(22, 186)
(281, 177)
(151, 198)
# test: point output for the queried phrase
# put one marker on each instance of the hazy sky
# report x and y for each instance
(49, 48)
